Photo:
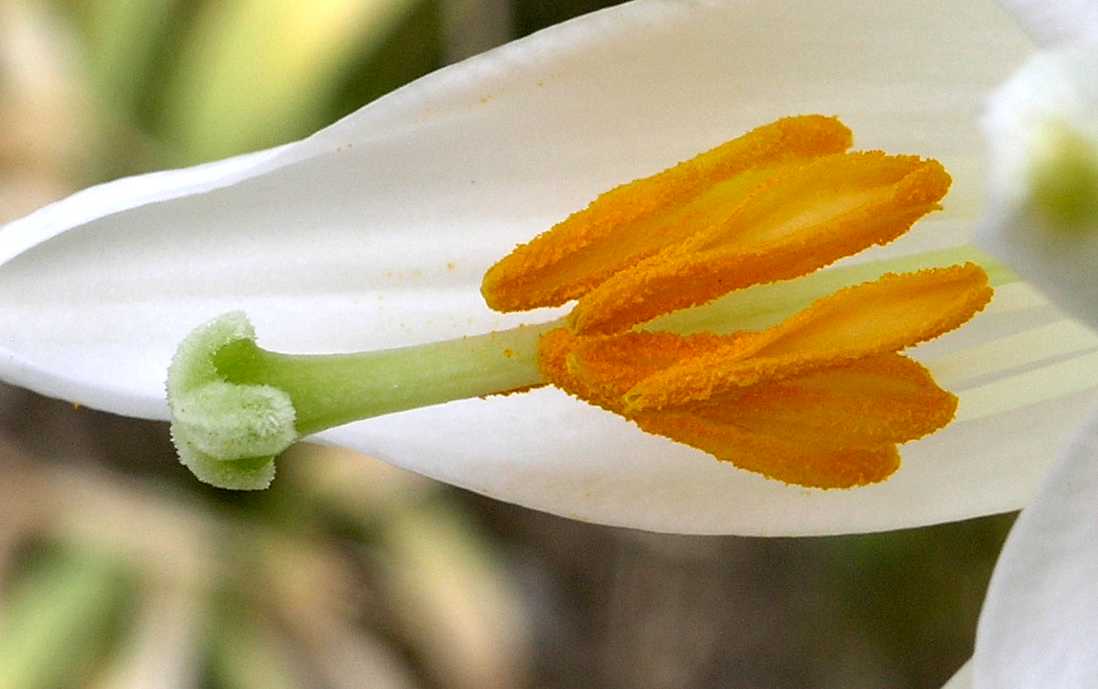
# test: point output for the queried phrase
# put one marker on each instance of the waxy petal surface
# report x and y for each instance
(1040, 619)
(376, 231)
(1053, 23)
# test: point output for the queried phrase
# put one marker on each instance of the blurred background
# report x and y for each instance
(119, 571)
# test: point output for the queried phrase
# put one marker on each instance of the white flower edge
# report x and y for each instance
(1053, 22)
(374, 233)
(1040, 619)
(962, 679)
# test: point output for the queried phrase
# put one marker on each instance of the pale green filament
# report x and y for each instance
(236, 406)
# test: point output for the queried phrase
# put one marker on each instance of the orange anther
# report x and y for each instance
(771, 456)
(797, 221)
(821, 399)
(886, 315)
(638, 219)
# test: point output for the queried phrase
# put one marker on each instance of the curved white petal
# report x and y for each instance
(1040, 620)
(1054, 95)
(1050, 22)
(375, 232)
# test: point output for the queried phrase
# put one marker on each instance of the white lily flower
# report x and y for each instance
(374, 233)
(1040, 618)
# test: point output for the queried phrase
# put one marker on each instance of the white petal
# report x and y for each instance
(962, 679)
(1040, 620)
(375, 232)
(1053, 90)
(1051, 22)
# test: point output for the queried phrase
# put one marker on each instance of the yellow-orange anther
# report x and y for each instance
(821, 399)
(886, 315)
(829, 428)
(637, 220)
(800, 219)
(863, 403)
(775, 457)
(601, 370)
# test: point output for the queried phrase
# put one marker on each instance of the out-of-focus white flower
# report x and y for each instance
(1040, 618)
(1042, 131)
(1053, 22)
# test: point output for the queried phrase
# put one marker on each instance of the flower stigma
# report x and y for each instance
(821, 398)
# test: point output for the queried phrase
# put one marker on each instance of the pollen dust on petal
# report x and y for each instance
(798, 220)
(887, 315)
(636, 220)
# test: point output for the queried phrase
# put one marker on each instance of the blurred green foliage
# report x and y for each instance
(196, 80)
(63, 612)
(531, 15)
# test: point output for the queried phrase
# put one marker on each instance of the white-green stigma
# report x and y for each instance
(227, 434)
(235, 406)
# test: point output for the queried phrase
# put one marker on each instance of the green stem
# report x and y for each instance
(331, 390)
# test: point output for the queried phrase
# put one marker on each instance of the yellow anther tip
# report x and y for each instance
(629, 223)
(926, 184)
